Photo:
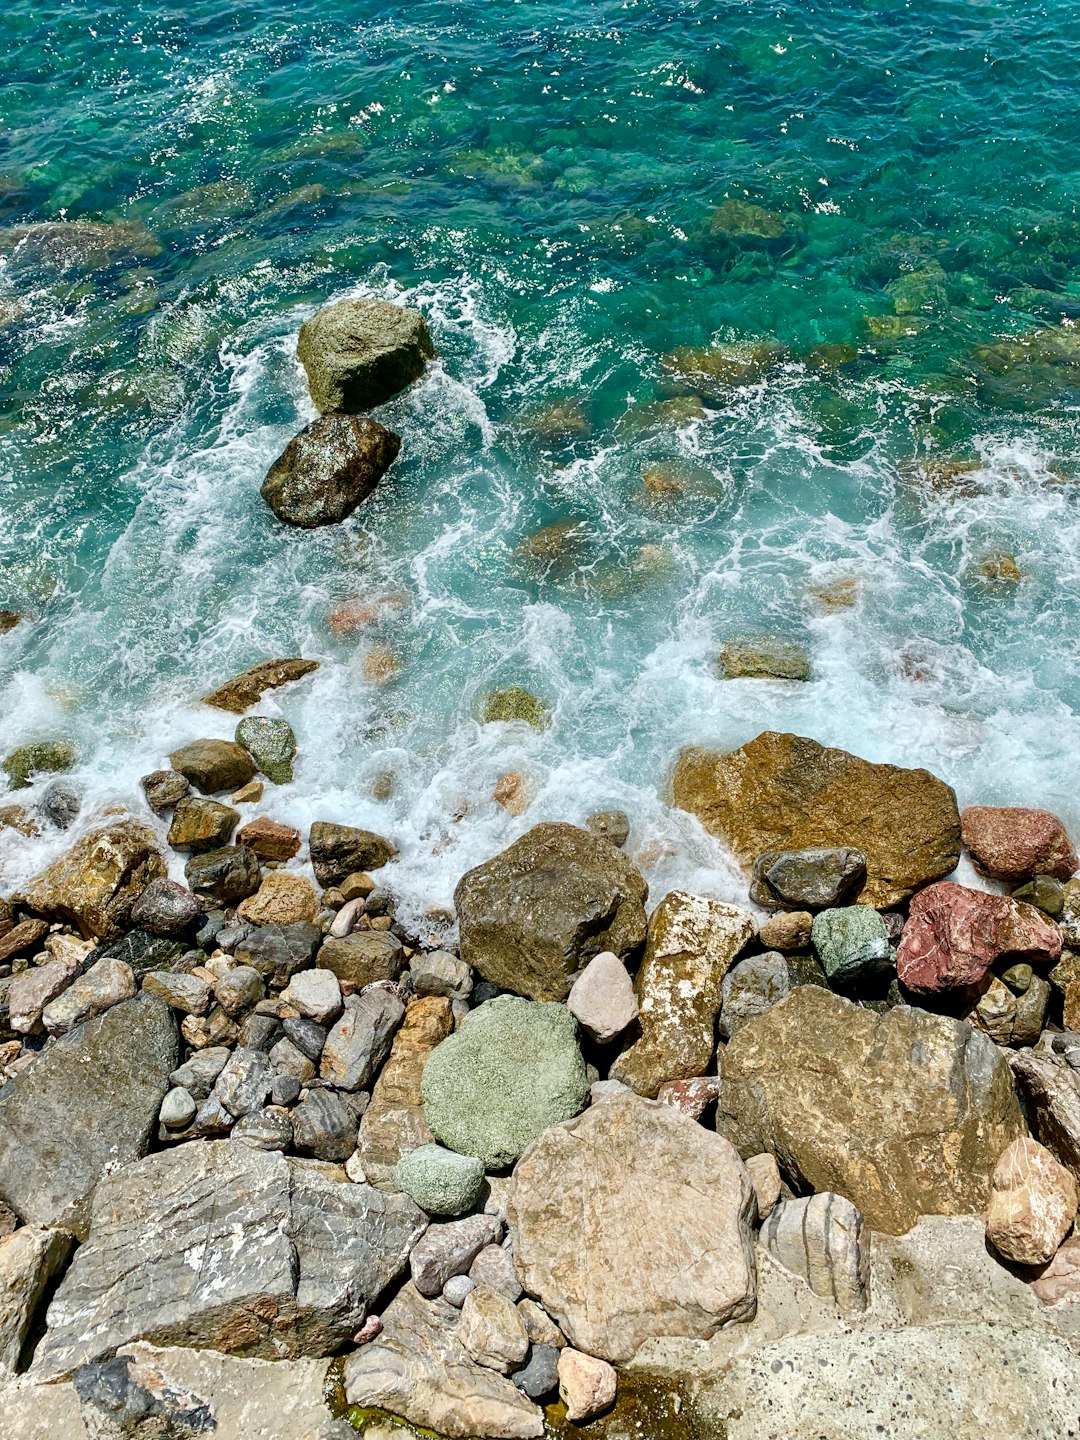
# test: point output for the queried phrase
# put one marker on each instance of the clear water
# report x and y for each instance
(540, 179)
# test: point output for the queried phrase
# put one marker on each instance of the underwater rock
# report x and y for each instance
(763, 659)
(516, 703)
(41, 757)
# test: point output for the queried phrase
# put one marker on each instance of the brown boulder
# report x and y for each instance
(1015, 843)
(363, 957)
(243, 691)
(532, 916)
(953, 935)
(338, 851)
(97, 882)
(904, 1113)
(393, 1124)
(326, 470)
(269, 839)
(785, 792)
(214, 765)
(281, 899)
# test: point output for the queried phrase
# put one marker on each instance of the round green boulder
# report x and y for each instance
(39, 757)
(510, 1070)
(271, 744)
(441, 1182)
(852, 944)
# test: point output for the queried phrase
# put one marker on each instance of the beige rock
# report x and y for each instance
(105, 984)
(602, 998)
(765, 1177)
(1032, 1204)
(586, 1385)
(32, 990)
(905, 1112)
(539, 1326)
(821, 1239)
(393, 1123)
(784, 792)
(692, 943)
(281, 899)
(29, 1258)
(787, 931)
(650, 1234)
(512, 792)
(418, 1369)
(492, 1331)
(96, 883)
(249, 794)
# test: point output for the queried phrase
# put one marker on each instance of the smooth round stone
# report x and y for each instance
(177, 1109)
(456, 1289)
(440, 1181)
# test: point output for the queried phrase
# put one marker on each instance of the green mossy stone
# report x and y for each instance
(510, 1070)
(439, 1180)
(38, 758)
(271, 744)
(516, 703)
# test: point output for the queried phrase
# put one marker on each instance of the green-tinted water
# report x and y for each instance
(866, 199)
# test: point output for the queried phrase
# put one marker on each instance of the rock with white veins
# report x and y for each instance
(220, 1245)
(691, 945)
(419, 1369)
(1032, 1203)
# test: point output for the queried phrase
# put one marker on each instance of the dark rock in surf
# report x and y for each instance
(326, 470)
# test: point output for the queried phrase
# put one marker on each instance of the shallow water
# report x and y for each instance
(541, 179)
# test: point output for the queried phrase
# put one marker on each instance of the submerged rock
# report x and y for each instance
(221, 1245)
(714, 371)
(784, 792)
(516, 703)
(905, 1113)
(511, 1069)
(763, 659)
(243, 691)
(360, 353)
(536, 913)
(326, 470)
(654, 1239)
(86, 1103)
(95, 885)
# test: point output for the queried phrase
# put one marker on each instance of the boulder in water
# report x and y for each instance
(97, 882)
(243, 691)
(360, 353)
(326, 470)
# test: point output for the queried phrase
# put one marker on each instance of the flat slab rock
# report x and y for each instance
(218, 1245)
(785, 792)
(85, 1104)
(631, 1222)
(418, 1369)
(948, 1382)
(904, 1113)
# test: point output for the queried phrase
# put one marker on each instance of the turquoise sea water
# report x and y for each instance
(547, 182)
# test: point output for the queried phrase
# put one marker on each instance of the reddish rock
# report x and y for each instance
(693, 1096)
(1061, 1278)
(269, 839)
(1017, 843)
(953, 936)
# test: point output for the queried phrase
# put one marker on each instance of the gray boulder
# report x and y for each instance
(361, 1039)
(277, 952)
(511, 1069)
(326, 470)
(224, 1246)
(225, 876)
(811, 879)
(750, 988)
(165, 908)
(533, 916)
(85, 1104)
(359, 353)
(338, 851)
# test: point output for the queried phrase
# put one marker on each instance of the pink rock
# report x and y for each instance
(1032, 1204)
(1061, 1277)
(1017, 843)
(586, 1385)
(690, 1096)
(371, 1327)
(953, 935)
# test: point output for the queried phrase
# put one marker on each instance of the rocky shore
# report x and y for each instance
(274, 1163)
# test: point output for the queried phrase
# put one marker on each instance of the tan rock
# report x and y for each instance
(269, 839)
(784, 792)
(787, 931)
(492, 1331)
(99, 879)
(29, 1258)
(651, 1232)
(905, 1113)
(692, 942)
(586, 1385)
(602, 998)
(32, 990)
(249, 794)
(1032, 1204)
(393, 1124)
(512, 793)
(765, 1177)
(539, 1326)
(281, 899)
(243, 691)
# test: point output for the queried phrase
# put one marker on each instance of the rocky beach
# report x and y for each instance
(539, 579)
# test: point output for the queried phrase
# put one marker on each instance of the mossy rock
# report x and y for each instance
(516, 703)
(40, 757)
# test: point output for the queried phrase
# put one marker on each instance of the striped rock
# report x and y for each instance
(823, 1241)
